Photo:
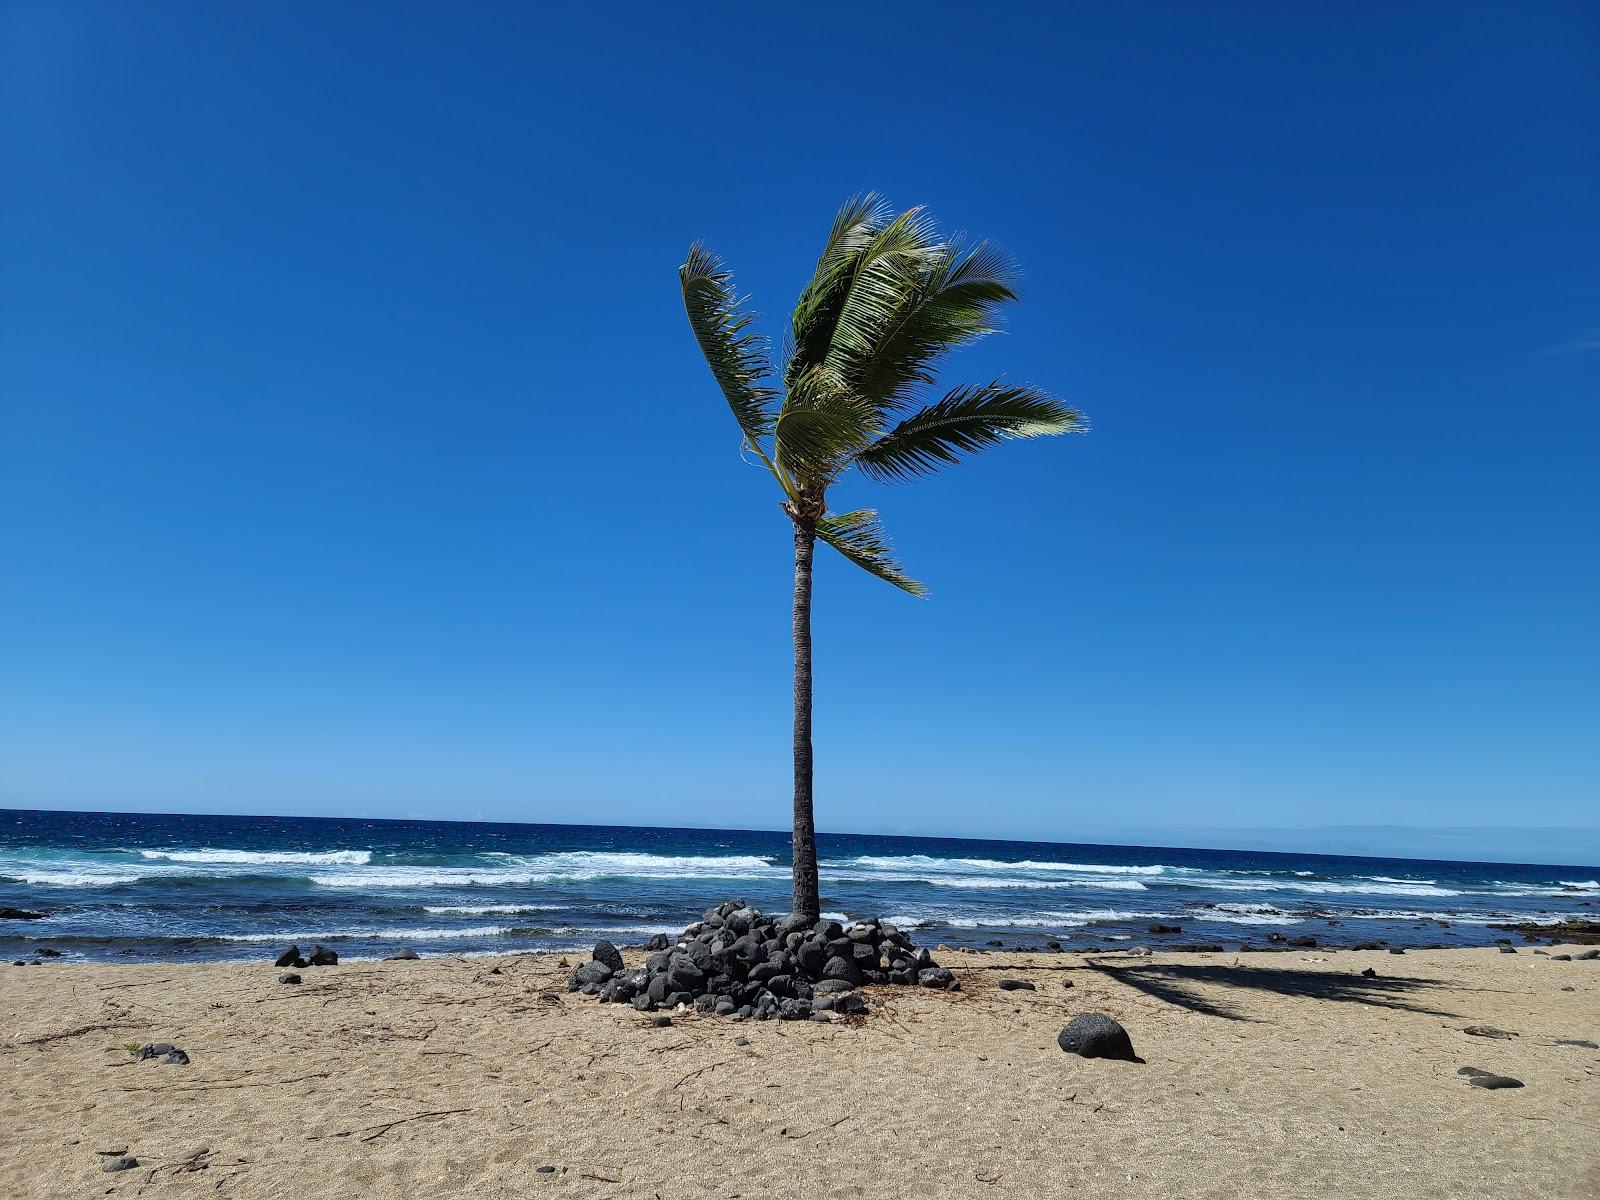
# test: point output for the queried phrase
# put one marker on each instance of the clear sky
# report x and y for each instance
(355, 456)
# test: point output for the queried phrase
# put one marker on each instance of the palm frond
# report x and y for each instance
(736, 353)
(859, 537)
(968, 419)
(817, 309)
(820, 428)
(957, 301)
(887, 276)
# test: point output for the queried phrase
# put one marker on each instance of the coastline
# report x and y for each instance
(1283, 1074)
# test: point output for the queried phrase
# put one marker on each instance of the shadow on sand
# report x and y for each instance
(1187, 985)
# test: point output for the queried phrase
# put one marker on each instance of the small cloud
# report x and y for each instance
(1584, 343)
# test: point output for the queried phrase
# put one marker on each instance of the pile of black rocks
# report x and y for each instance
(739, 963)
(320, 956)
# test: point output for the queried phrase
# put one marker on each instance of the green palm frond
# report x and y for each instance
(887, 276)
(817, 310)
(736, 353)
(957, 301)
(821, 426)
(859, 537)
(969, 419)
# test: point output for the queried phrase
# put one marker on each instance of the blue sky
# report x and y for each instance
(355, 456)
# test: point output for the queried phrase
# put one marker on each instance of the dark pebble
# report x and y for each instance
(288, 977)
(546, 1170)
(1494, 1081)
(1487, 1031)
(1561, 958)
(1396, 950)
(1577, 1042)
(661, 1021)
(741, 1041)
(176, 1057)
(1016, 985)
(123, 1162)
(1369, 973)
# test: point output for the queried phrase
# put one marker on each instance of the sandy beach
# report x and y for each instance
(1287, 1074)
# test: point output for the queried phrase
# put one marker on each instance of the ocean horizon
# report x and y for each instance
(138, 886)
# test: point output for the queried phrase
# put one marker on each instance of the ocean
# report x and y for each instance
(135, 887)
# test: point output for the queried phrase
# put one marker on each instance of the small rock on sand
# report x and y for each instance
(1493, 1082)
(661, 1021)
(288, 977)
(1016, 985)
(1095, 1035)
(288, 958)
(404, 954)
(1369, 973)
(123, 1162)
(1579, 1042)
(546, 1170)
(176, 1057)
(1561, 958)
(1487, 1031)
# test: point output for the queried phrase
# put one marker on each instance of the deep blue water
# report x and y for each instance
(131, 887)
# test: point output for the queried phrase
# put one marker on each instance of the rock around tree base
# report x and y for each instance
(737, 962)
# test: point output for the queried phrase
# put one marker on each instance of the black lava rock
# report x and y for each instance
(8, 913)
(288, 977)
(288, 957)
(123, 1162)
(321, 956)
(1016, 985)
(1165, 929)
(1095, 1035)
(605, 952)
(739, 963)
(1494, 1082)
(1304, 940)
(1369, 973)
(589, 975)
(659, 942)
(937, 977)
(176, 1058)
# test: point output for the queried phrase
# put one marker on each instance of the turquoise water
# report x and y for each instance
(125, 886)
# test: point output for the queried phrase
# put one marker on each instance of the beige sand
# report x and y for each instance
(1268, 1075)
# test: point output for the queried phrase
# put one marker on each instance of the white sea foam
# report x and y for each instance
(923, 862)
(1588, 886)
(1043, 920)
(485, 910)
(518, 869)
(385, 935)
(264, 857)
(591, 863)
(68, 877)
(1126, 885)
(1243, 914)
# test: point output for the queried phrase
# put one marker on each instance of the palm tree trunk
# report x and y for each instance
(806, 900)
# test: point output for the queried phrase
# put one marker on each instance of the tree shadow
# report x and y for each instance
(1183, 983)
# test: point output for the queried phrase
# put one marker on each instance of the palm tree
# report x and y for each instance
(889, 298)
